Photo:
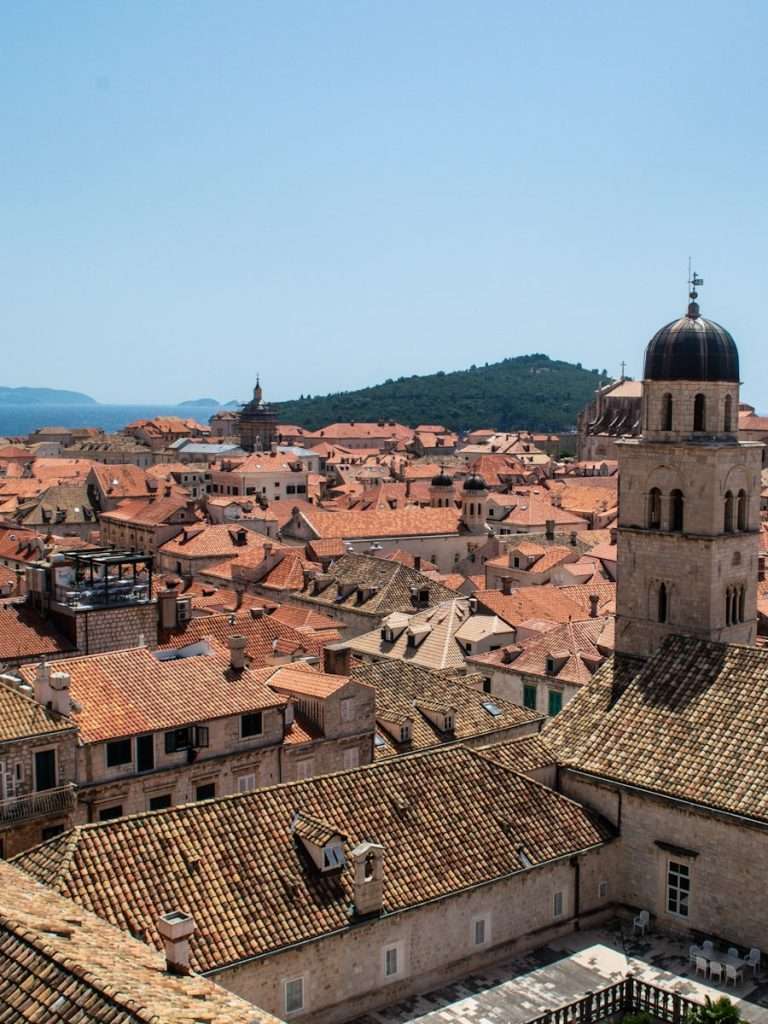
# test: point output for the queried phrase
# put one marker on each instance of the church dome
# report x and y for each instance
(692, 348)
(475, 482)
(442, 479)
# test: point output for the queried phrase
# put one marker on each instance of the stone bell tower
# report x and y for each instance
(689, 496)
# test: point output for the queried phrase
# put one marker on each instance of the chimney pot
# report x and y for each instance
(237, 643)
(175, 930)
(506, 585)
(593, 602)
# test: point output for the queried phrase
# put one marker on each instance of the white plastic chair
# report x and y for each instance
(734, 974)
(754, 959)
(693, 952)
(715, 971)
(708, 948)
(641, 921)
(732, 951)
(701, 966)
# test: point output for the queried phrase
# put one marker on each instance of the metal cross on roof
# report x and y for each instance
(694, 282)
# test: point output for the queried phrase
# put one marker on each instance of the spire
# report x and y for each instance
(694, 281)
(257, 391)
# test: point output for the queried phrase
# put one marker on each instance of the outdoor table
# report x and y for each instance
(721, 958)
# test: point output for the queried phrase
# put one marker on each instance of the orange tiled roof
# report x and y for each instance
(123, 693)
(544, 602)
(265, 636)
(60, 962)
(405, 522)
(24, 634)
(408, 804)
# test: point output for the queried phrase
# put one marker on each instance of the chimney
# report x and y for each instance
(175, 929)
(267, 548)
(61, 702)
(506, 585)
(237, 644)
(417, 563)
(42, 684)
(166, 604)
(593, 601)
(549, 529)
(368, 883)
(337, 660)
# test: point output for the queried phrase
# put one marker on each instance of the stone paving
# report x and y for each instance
(517, 990)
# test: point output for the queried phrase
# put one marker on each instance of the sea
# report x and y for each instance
(19, 420)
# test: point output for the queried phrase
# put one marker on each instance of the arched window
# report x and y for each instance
(734, 606)
(728, 512)
(741, 514)
(663, 603)
(666, 412)
(654, 509)
(728, 414)
(676, 510)
(741, 604)
(699, 409)
(728, 606)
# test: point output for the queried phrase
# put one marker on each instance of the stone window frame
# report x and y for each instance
(687, 864)
(483, 919)
(398, 948)
(558, 904)
(299, 979)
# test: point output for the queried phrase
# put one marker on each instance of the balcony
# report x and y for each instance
(48, 802)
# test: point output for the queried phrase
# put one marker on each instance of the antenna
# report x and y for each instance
(623, 368)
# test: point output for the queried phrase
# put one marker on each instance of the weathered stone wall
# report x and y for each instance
(344, 974)
(113, 629)
(729, 898)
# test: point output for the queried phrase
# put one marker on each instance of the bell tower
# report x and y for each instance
(689, 496)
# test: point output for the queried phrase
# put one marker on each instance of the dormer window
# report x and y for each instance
(323, 844)
(333, 857)
(551, 666)
(405, 732)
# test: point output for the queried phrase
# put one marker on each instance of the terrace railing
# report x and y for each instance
(628, 996)
(37, 805)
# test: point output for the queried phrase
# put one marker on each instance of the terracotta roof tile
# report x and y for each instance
(410, 805)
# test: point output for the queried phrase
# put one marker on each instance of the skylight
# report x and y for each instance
(491, 708)
(378, 741)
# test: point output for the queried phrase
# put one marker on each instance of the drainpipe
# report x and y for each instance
(576, 863)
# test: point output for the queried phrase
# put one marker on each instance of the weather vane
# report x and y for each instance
(694, 282)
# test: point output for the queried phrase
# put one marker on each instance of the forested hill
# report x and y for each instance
(533, 392)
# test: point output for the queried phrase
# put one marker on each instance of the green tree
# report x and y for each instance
(715, 1011)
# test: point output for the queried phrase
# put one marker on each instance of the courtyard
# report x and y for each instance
(516, 990)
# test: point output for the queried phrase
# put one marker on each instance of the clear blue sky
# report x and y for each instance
(334, 193)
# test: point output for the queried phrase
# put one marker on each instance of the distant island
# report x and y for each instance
(43, 396)
(202, 402)
(532, 392)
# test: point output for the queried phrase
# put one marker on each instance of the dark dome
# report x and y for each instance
(475, 482)
(692, 348)
(442, 480)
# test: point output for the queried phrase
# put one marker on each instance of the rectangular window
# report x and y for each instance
(251, 724)
(391, 962)
(119, 752)
(351, 758)
(52, 831)
(529, 697)
(486, 685)
(207, 791)
(557, 905)
(293, 995)
(347, 706)
(602, 891)
(108, 813)
(45, 769)
(480, 931)
(178, 739)
(245, 783)
(678, 888)
(159, 803)
(145, 753)
(555, 702)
